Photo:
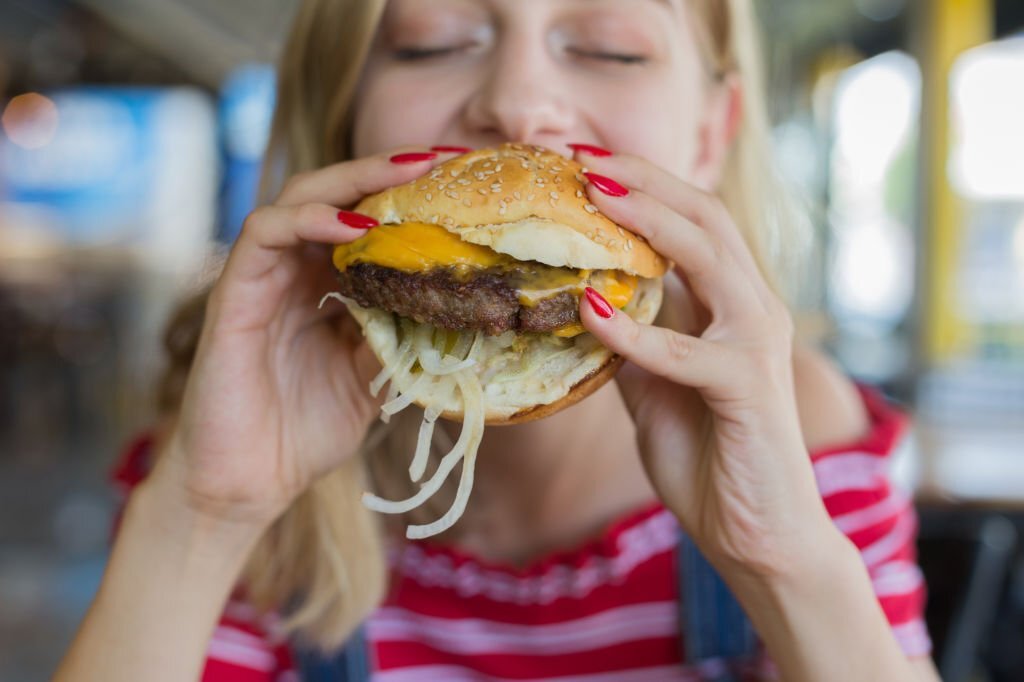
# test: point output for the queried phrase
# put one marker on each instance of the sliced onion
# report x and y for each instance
(430, 360)
(422, 456)
(331, 296)
(473, 408)
(433, 484)
(401, 363)
(397, 404)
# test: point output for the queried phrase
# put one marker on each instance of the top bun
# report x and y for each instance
(521, 200)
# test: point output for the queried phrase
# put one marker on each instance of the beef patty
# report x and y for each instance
(484, 300)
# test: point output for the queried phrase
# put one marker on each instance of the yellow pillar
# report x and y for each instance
(950, 27)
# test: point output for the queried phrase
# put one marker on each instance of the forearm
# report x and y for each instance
(822, 621)
(169, 575)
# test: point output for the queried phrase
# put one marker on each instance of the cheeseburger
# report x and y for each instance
(468, 293)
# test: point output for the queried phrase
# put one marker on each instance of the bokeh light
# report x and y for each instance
(30, 120)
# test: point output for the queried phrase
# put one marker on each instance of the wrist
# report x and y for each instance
(163, 505)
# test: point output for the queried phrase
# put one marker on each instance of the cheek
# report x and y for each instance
(659, 125)
(394, 112)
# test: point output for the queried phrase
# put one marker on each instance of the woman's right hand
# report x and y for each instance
(277, 394)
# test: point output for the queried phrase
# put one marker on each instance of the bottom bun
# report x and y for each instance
(524, 377)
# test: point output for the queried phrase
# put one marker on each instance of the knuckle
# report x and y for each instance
(307, 214)
(293, 184)
(252, 222)
(678, 347)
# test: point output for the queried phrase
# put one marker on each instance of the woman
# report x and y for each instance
(256, 487)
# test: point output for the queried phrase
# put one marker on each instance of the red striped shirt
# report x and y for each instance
(607, 610)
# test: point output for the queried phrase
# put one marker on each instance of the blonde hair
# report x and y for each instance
(322, 562)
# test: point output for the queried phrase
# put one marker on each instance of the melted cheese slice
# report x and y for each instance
(420, 247)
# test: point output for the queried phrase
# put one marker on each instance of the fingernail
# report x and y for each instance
(357, 220)
(446, 149)
(413, 157)
(590, 149)
(607, 185)
(598, 302)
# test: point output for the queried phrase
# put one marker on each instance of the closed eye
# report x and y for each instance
(411, 54)
(629, 59)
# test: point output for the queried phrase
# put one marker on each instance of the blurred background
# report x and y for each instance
(132, 134)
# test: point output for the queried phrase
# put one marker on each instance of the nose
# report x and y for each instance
(522, 97)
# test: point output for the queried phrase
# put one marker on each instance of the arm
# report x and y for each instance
(276, 385)
(170, 572)
(714, 399)
(821, 620)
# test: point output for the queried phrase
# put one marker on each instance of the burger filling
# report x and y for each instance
(425, 273)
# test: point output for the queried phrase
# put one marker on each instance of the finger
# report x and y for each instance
(697, 206)
(343, 184)
(718, 282)
(680, 358)
(271, 230)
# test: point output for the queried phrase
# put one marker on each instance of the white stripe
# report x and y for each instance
(452, 673)
(241, 655)
(896, 578)
(892, 504)
(913, 638)
(849, 471)
(228, 633)
(471, 636)
(898, 536)
(654, 536)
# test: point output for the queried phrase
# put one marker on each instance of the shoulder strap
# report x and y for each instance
(714, 625)
(350, 664)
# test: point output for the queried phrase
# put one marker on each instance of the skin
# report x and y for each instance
(714, 415)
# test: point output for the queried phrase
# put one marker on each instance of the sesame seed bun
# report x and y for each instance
(523, 201)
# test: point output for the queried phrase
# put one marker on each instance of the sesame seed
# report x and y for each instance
(467, 203)
(558, 169)
(464, 181)
(590, 208)
(629, 245)
(497, 169)
(495, 189)
(482, 191)
(452, 195)
(423, 188)
(518, 196)
(530, 197)
(579, 194)
(502, 210)
(622, 233)
(430, 197)
(449, 221)
(553, 195)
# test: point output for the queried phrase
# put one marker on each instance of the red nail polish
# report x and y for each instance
(590, 149)
(598, 302)
(356, 220)
(607, 185)
(447, 149)
(413, 157)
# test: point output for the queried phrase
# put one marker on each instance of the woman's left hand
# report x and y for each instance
(712, 396)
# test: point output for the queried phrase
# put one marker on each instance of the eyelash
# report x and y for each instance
(412, 54)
